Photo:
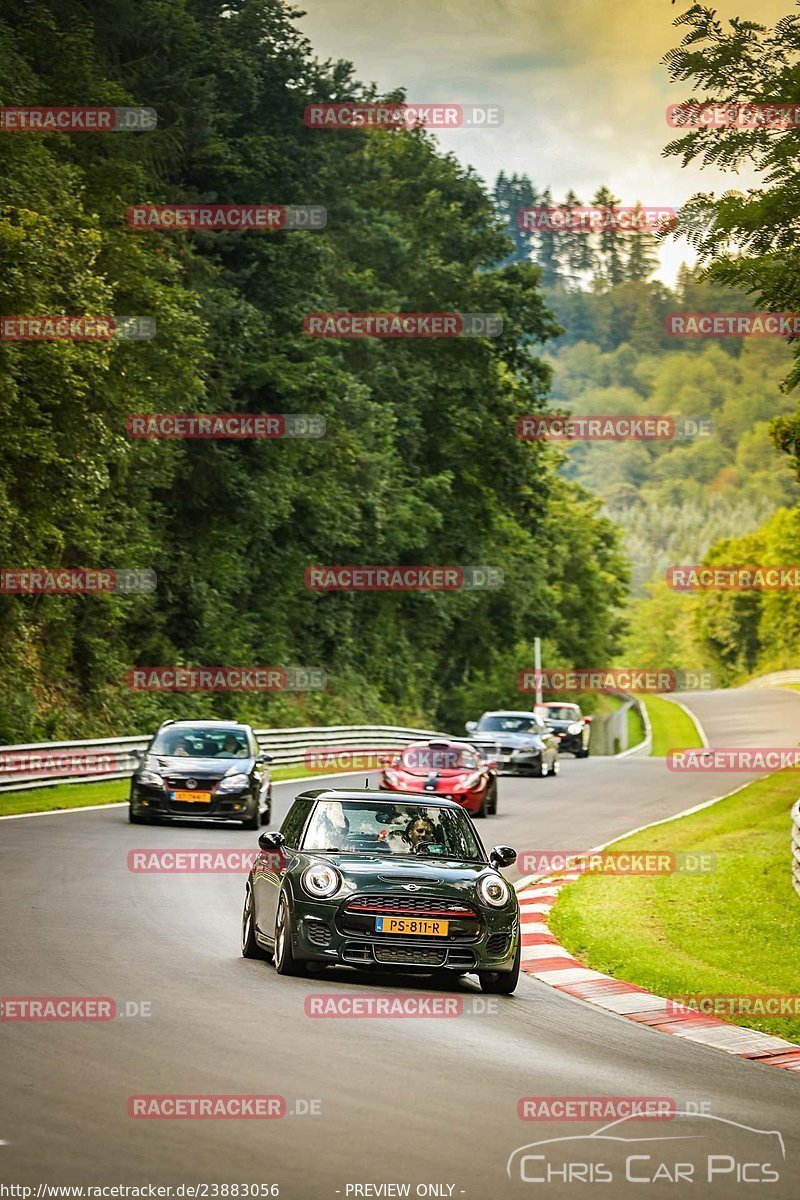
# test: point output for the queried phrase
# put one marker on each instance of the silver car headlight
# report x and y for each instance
(574, 728)
(234, 783)
(321, 881)
(150, 779)
(493, 890)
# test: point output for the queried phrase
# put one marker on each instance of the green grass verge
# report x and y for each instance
(733, 930)
(673, 729)
(635, 726)
(81, 795)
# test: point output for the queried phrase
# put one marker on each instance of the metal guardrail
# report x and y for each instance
(45, 764)
(796, 847)
(774, 679)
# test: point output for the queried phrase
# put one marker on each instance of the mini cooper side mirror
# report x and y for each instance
(264, 758)
(471, 726)
(273, 840)
(502, 856)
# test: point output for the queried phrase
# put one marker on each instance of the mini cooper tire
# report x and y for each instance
(134, 818)
(266, 815)
(493, 805)
(285, 961)
(501, 983)
(584, 753)
(555, 769)
(250, 947)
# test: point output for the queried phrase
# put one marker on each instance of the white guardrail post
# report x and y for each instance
(796, 847)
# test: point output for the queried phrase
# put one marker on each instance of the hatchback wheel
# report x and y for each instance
(501, 983)
(285, 961)
(250, 947)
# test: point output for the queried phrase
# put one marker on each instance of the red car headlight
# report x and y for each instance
(469, 782)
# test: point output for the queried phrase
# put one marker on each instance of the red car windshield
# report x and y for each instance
(424, 760)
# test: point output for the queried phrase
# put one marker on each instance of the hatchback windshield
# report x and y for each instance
(186, 742)
(509, 724)
(563, 712)
(378, 827)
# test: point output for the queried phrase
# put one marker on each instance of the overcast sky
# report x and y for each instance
(580, 82)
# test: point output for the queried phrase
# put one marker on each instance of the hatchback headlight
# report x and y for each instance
(234, 783)
(493, 890)
(150, 779)
(321, 881)
(574, 728)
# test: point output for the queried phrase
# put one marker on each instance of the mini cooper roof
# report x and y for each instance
(428, 798)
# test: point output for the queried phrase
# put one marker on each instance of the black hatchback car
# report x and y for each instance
(569, 725)
(202, 770)
(386, 882)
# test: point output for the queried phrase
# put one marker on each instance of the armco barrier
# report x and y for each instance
(796, 847)
(774, 679)
(44, 764)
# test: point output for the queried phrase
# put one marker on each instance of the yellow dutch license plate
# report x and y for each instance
(415, 926)
(192, 797)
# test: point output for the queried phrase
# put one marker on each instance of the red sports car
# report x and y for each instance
(448, 769)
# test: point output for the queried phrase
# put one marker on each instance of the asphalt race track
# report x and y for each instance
(402, 1101)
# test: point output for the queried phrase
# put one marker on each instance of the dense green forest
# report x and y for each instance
(421, 462)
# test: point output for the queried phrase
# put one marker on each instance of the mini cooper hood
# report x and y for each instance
(200, 768)
(388, 872)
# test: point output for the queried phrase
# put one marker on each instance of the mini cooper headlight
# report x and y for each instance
(575, 727)
(320, 881)
(234, 783)
(150, 779)
(493, 890)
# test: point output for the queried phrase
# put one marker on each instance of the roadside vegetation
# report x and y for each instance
(673, 729)
(731, 930)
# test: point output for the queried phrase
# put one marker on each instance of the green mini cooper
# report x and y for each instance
(382, 882)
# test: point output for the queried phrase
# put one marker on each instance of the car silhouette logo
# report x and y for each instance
(411, 887)
(191, 783)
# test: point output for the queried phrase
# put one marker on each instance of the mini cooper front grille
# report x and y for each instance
(497, 944)
(460, 958)
(418, 905)
(357, 952)
(413, 956)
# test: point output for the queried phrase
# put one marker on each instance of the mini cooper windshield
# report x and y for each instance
(375, 827)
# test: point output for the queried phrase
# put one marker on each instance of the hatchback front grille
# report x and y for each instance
(414, 956)
(317, 933)
(418, 905)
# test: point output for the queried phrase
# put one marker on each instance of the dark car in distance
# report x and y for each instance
(202, 771)
(448, 769)
(519, 742)
(383, 882)
(569, 725)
